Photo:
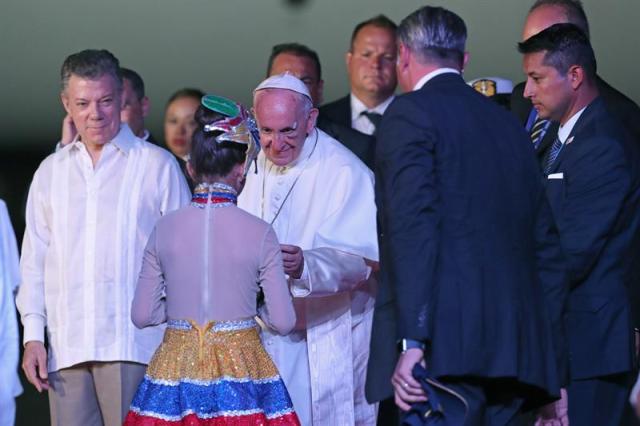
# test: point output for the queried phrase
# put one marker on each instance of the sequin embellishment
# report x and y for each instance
(216, 374)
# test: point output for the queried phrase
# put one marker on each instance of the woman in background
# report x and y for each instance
(179, 124)
(202, 270)
(179, 120)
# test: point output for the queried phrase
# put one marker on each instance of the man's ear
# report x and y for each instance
(146, 106)
(575, 76)
(311, 121)
(65, 101)
(404, 55)
(465, 61)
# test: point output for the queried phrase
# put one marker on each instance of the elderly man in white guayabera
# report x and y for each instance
(91, 208)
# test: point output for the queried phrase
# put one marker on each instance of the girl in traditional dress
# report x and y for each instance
(202, 270)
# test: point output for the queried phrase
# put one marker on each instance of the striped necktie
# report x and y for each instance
(538, 131)
(553, 154)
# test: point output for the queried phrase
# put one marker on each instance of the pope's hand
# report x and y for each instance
(407, 389)
(34, 365)
(293, 260)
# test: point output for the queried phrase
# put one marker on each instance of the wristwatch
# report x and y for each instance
(406, 344)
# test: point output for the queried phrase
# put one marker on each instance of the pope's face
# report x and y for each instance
(283, 124)
(94, 107)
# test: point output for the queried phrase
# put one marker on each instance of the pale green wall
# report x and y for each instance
(222, 46)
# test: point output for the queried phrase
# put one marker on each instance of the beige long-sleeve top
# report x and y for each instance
(208, 264)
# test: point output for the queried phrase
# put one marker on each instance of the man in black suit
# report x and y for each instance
(593, 186)
(371, 67)
(543, 14)
(302, 62)
(471, 260)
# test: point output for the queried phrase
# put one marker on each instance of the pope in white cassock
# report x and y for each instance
(319, 197)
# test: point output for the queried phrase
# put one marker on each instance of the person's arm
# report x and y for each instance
(30, 299)
(326, 271)
(553, 278)
(175, 192)
(278, 313)
(149, 304)
(344, 243)
(410, 213)
(597, 185)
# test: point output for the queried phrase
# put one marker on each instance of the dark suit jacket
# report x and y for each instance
(621, 108)
(360, 144)
(595, 205)
(469, 252)
(338, 111)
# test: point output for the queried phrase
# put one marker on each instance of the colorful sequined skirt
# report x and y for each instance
(218, 374)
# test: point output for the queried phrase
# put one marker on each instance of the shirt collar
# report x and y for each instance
(425, 78)
(123, 141)
(358, 107)
(565, 130)
(145, 135)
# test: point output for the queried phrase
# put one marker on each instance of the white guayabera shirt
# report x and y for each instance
(86, 229)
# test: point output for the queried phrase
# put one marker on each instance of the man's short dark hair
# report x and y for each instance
(380, 21)
(572, 8)
(565, 45)
(90, 64)
(295, 49)
(137, 84)
(435, 35)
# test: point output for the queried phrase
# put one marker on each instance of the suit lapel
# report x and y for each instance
(589, 114)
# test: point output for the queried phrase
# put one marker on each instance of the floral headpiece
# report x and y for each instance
(238, 126)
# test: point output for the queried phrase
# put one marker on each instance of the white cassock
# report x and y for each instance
(324, 203)
(9, 339)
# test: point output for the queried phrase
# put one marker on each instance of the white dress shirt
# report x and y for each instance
(433, 74)
(86, 229)
(565, 130)
(360, 122)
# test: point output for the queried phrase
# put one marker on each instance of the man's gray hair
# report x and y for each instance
(90, 64)
(306, 103)
(435, 35)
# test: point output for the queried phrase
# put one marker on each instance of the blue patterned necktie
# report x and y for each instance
(553, 154)
(538, 131)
